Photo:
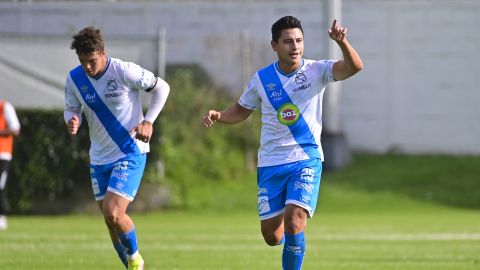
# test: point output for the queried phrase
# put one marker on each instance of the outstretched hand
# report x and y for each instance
(337, 32)
(210, 118)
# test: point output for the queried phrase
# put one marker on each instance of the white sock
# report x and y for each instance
(133, 256)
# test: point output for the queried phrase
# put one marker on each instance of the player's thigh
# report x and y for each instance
(272, 184)
(4, 165)
(272, 229)
(99, 176)
(272, 224)
(304, 185)
(126, 176)
(114, 204)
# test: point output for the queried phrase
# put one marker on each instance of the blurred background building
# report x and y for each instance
(418, 92)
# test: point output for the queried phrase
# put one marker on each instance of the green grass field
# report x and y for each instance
(432, 238)
(381, 213)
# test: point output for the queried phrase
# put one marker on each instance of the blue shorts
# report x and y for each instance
(121, 177)
(292, 183)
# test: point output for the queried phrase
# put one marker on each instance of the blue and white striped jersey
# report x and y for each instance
(112, 106)
(291, 106)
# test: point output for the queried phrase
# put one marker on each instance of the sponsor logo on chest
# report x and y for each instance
(288, 114)
(301, 78)
(112, 89)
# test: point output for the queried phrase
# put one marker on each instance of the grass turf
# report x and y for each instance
(440, 238)
(381, 213)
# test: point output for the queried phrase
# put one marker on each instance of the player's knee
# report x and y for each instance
(111, 217)
(295, 224)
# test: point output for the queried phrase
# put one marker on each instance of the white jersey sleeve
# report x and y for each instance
(159, 97)
(72, 103)
(250, 98)
(138, 78)
(325, 67)
(73, 106)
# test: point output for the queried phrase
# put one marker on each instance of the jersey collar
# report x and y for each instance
(277, 67)
(97, 77)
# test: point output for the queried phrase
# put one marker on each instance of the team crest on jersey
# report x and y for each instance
(288, 114)
(300, 78)
(112, 85)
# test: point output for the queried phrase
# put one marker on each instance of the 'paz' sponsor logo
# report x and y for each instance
(288, 114)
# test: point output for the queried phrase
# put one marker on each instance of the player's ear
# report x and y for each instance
(274, 45)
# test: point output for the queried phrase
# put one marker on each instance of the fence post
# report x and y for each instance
(161, 48)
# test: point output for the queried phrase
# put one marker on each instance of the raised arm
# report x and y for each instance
(234, 114)
(351, 63)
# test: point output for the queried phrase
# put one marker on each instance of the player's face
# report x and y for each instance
(93, 63)
(289, 48)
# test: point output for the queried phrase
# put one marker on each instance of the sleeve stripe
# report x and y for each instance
(153, 86)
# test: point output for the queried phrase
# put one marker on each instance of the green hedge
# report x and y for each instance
(48, 164)
(193, 154)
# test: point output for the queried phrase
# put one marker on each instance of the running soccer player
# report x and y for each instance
(108, 91)
(289, 93)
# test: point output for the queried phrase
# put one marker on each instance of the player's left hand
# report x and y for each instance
(337, 32)
(143, 131)
(210, 118)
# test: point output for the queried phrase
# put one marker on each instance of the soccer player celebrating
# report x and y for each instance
(108, 90)
(289, 93)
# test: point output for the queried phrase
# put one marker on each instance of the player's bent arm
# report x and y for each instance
(351, 63)
(234, 114)
(73, 107)
(8, 131)
(68, 115)
(159, 97)
(73, 120)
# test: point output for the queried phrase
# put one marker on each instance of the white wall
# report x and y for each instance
(206, 32)
(419, 90)
(417, 93)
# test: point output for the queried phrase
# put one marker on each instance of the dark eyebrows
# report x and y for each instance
(293, 39)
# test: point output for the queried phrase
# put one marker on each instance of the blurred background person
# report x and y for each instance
(9, 128)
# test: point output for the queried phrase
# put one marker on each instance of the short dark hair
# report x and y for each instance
(87, 41)
(286, 22)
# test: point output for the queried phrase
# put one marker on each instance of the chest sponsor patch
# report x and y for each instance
(288, 114)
